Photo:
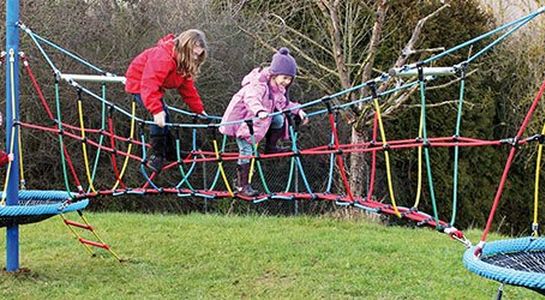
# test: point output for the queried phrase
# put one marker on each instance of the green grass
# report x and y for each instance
(210, 256)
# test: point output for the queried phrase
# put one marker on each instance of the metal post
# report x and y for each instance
(12, 113)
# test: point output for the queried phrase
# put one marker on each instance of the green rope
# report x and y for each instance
(426, 150)
(61, 143)
(101, 140)
(457, 150)
(185, 178)
(259, 169)
(217, 176)
(292, 163)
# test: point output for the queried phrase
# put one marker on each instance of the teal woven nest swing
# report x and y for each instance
(35, 206)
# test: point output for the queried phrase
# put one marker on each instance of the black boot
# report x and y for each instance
(271, 139)
(242, 185)
(171, 151)
(157, 152)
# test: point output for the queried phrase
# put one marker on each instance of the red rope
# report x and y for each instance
(50, 115)
(499, 192)
(340, 161)
(112, 154)
(102, 132)
(71, 167)
(38, 89)
(78, 137)
(373, 161)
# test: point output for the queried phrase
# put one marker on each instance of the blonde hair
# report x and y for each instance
(187, 65)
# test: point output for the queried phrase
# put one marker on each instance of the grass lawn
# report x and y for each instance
(212, 256)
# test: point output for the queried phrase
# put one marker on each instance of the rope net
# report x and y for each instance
(202, 162)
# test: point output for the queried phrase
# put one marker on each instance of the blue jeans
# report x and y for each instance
(154, 129)
(244, 149)
(277, 122)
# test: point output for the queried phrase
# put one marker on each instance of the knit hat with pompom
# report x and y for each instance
(283, 63)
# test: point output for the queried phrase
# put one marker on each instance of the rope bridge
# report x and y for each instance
(204, 168)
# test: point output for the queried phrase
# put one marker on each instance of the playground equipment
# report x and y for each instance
(484, 259)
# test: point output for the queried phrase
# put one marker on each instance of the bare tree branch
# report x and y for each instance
(305, 56)
(440, 104)
(402, 59)
(436, 87)
(375, 39)
(308, 39)
(430, 50)
(393, 103)
(257, 37)
(330, 10)
(398, 101)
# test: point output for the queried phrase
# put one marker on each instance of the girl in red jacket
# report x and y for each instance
(172, 64)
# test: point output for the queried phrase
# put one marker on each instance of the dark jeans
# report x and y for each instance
(154, 129)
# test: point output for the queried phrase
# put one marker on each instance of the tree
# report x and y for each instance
(361, 40)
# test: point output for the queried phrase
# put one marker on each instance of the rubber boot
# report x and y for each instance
(242, 185)
(171, 154)
(157, 154)
(271, 139)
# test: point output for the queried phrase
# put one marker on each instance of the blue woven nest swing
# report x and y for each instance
(518, 262)
(35, 206)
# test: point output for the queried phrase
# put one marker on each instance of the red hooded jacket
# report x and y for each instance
(153, 71)
(4, 158)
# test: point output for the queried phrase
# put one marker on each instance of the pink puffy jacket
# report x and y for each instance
(255, 96)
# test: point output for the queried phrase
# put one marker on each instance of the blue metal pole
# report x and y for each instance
(12, 113)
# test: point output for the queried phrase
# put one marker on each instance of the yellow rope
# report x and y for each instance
(21, 166)
(252, 166)
(84, 146)
(419, 180)
(77, 235)
(222, 172)
(12, 138)
(536, 187)
(129, 149)
(98, 237)
(92, 230)
(386, 158)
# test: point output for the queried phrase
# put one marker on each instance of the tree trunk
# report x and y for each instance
(359, 167)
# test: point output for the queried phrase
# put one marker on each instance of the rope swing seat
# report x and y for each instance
(519, 262)
(36, 205)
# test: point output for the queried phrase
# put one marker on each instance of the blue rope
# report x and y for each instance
(62, 50)
(32, 36)
(495, 42)
(217, 176)
(483, 36)
(300, 167)
(193, 163)
(331, 167)
(144, 156)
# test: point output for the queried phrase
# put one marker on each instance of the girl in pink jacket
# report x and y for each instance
(263, 92)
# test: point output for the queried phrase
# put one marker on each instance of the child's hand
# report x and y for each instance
(303, 117)
(10, 157)
(159, 119)
(262, 115)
